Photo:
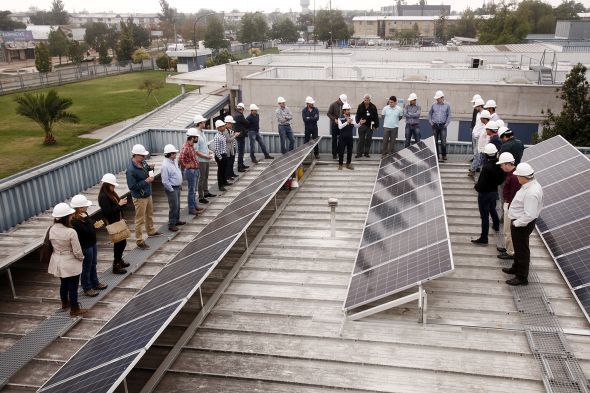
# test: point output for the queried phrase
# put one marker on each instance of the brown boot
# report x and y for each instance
(65, 305)
(118, 268)
(349, 166)
(76, 311)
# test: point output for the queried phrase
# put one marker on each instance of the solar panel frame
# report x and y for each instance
(543, 148)
(575, 267)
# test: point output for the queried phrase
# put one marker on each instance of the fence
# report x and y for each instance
(11, 84)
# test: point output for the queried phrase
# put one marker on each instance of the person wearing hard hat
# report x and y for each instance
(412, 115)
(254, 134)
(511, 144)
(66, 258)
(86, 228)
(204, 157)
(230, 140)
(220, 151)
(523, 213)
(140, 177)
(490, 106)
(334, 114)
(511, 187)
(492, 132)
(487, 193)
(241, 128)
(284, 117)
(476, 98)
(367, 111)
(475, 130)
(112, 207)
(439, 117)
(311, 115)
(172, 181)
(187, 160)
(392, 114)
(482, 141)
(346, 125)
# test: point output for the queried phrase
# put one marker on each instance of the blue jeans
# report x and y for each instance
(89, 277)
(312, 134)
(285, 132)
(477, 161)
(486, 201)
(255, 137)
(241, 148)
(412, 130)
(68, 289)
(192, 178)
(440, 132)
(173, 206)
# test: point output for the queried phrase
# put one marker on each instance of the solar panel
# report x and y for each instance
(568, 238)
(126, 337)
(564, 212)
(405, 240)
(576, 267)
(543, 148)
(583, 296)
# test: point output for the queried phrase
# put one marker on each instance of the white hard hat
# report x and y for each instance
(505, 158)
(80, 201)
(490, 104)
(139, 149)
(219, 123)
(492, 125)
(192, 132)
(485, 115)
(280, 100)
(253, 107)
(61, 210)
(412, 97)
(439, 94)
(500, 123)
(476, 97)
(343, 97)
(503, 130)
(309, 100)
(110, 179)
(346, 106)
(170, 149)
(524, 169)
(229, 119)
(490, 149)
(478, 102)
(199, 119)
(241, 105)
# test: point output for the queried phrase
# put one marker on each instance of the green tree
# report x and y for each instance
(442, 30)
(140, 55)
(103, 54)
(139, 34)
(96, 34)
(253, 28)
(331, 25)
(76, 52)
(305, 21)
(505, 27)
(538, 14)
(163, 62)
(573, 122)
(151, 86)
(466, 26)
(167, 16)
(58, 43)
(215, 34)
(284, 30)
(568, 10)
(42, 59)
(58, 13)
(222, 57)
(125, 46)
(7, 24)
(45, 110)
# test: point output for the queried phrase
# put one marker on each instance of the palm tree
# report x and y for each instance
(46, 110)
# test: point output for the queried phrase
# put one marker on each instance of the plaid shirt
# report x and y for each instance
(188, 157)
(219, 145)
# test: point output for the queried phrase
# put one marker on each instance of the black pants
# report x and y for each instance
(221, 170)
(522, 252)
(312, 134)
(119, 247)
(68, 290)
(345, 142)
(486, 201)
(335, 135)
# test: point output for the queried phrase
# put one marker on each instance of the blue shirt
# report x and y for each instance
(171, 175)
(440, 114)
(412, 114)
(391, 116)
(202, 146)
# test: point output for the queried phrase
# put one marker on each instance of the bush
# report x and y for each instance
(222, 57)
(140, 55)
(254, 52)
(163, 62)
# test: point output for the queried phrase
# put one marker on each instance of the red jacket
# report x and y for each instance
(511, 187)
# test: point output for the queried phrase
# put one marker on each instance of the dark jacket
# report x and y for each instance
(514, 146)
(334, 112)
(136, 179)
(348, 130)
(473, 118)
(241, 125)
(490, 178)
(370, 114)
(511, 186)
(84, 227)
(310, 118)
(496, 141)
(253, 122)
(111, 210)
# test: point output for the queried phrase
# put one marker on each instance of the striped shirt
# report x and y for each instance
(219, 145)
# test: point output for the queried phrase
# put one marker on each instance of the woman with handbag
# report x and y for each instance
(86, 228)
(112, 210)
(66, 258)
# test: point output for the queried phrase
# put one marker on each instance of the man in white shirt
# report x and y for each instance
(523, 212)
(392, 114)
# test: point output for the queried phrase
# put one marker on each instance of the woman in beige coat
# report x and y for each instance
(66, 259)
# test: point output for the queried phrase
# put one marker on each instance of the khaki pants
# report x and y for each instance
(507, 236)
(144, 211)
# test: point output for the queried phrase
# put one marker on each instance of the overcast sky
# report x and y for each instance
(225, 5)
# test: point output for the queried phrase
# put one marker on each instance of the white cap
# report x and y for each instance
(309, 100)
(490, 149)
(524, 169)
(478, 102)
(110, 179)
(229, 119)
(503, 130)
(139, 149)
(253, 107)
(505, 158)
(485, 115)
(199, 119)
(476, 97)
(490, 104)
(412, 96)
(280, 100)
(219, 123)
(439, 94)
(343, 97)
(492, 125)
(61, 210)
(346, 106)
(241, 105)
(192, 132)
(170, 149)
(80, 201)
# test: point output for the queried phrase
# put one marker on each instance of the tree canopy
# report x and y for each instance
(327, 21)
(253, 28)
(58, 43)
(125, 46)
(56, 16)
(284, 30)
(215, 34)
(42, 59)
(7, 24)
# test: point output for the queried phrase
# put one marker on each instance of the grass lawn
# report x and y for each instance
(98, 103)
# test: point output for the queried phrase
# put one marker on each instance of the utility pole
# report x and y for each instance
(332, 38)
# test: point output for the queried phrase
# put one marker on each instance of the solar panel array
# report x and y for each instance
(406, 239)
(564, 223)
(101, 364)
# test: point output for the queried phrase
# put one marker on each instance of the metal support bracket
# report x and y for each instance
(420, 296)
(11, 281)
